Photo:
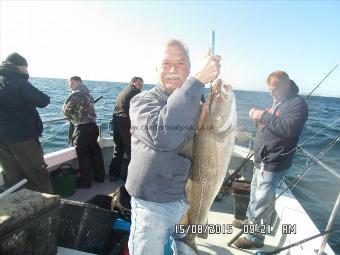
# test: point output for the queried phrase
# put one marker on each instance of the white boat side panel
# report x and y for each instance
(59, 157)
(291, 213)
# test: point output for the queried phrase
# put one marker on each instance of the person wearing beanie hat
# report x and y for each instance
(17, 59)
(21, 154)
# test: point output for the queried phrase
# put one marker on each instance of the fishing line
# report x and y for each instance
(53, 135)
(314, 131)
(63, 119)
(302, 143)
(290, 186)
(322, 81)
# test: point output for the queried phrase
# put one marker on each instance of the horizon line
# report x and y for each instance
(152, 84)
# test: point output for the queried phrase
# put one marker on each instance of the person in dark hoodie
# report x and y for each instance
(21, 154)
(121, 128)
(79, 109)
(278, 133)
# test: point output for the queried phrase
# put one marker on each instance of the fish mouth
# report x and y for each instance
(226, 89)
(220, 89)
(223, 107)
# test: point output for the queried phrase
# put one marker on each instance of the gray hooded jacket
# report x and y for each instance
(161, 122)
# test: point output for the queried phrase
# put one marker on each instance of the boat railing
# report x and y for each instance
(322, 164)
(329, 226)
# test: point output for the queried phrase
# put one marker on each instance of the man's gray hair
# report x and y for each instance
(173, 42)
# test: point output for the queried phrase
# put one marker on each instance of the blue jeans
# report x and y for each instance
(263, 187)
(152, 224)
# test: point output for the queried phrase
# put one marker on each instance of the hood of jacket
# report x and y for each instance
(293, 90)
(8, 69)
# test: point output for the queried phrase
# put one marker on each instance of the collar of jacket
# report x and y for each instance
(7, 68)
(162, 91)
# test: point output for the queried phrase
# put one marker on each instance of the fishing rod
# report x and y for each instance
(212, 53)
(62, 119)
(227, 184)
(295, 244)
(236, 174)
(13, 188)
(322, 80)
(212, 48)
(290, 186)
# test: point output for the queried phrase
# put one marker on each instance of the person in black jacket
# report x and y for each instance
(121, 128)
(21, 154)
(277, 136)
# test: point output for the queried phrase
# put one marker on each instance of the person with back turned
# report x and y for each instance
(79, 109)
(121, 128)
(277, 135)
(21, 154)
(160, 125)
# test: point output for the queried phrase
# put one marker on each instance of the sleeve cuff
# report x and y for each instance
(194, 80)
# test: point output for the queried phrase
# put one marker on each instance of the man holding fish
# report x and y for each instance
(163, 119)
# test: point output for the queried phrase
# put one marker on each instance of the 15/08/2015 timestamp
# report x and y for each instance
(204, 229)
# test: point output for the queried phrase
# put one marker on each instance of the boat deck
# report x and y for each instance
(220, 213)
(104, 188)
(223, 213)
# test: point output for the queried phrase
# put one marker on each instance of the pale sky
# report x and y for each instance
(115, 40)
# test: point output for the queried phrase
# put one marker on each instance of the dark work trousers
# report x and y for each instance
(25, 160)
(122, 144)
(89, 154)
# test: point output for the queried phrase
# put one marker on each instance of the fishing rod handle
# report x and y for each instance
(95, 101)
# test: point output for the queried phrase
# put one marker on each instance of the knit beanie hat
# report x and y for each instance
(17, 59)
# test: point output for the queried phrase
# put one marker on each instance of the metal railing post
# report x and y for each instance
(100, 130)
(329, 225)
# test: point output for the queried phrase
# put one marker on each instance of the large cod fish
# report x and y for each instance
(210, 151)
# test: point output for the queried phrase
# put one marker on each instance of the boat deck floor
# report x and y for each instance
(220, 213)
(104, 188)
(223, 213)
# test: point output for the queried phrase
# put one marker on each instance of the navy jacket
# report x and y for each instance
(279, 132)
(19, 119)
